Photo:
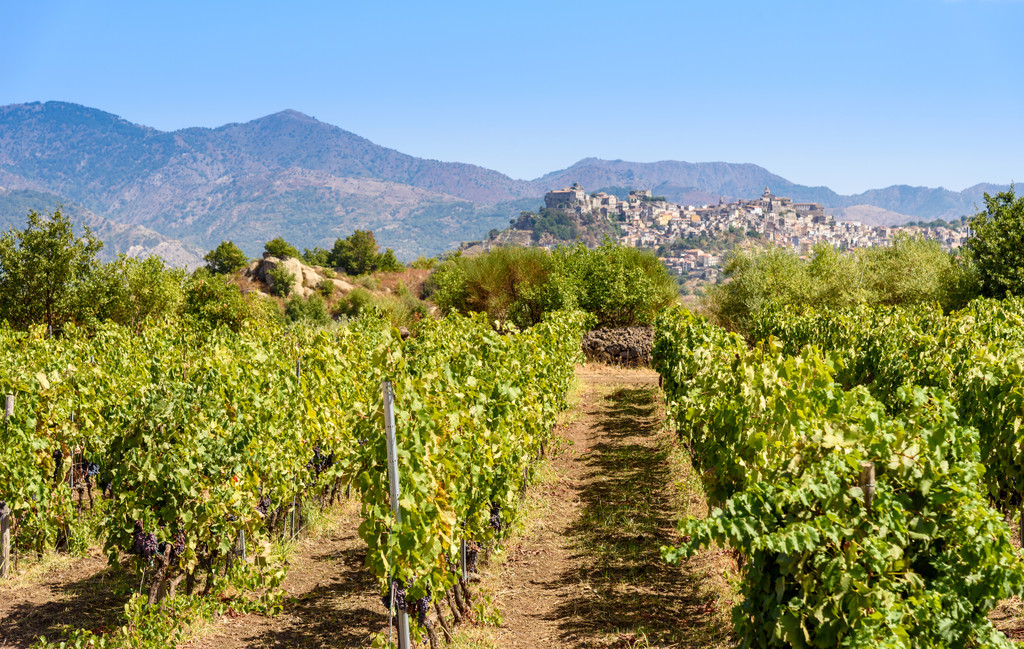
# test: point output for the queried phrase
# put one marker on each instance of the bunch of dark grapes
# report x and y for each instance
(92, 469)
(399, 589)
(263, 506)
(58, 459)
(320, 462)
(178, 545)
(496, 521)
(143, 543)
(472, 552)
(422, 607)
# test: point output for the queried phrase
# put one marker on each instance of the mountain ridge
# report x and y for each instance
(290, 174)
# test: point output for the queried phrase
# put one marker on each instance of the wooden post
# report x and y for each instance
(867, 482)
(298, 367)
(9, 408)
(5, 540)
(462, 559)
(389, 430)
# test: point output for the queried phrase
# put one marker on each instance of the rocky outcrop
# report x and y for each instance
(619, 345)
(306, 278)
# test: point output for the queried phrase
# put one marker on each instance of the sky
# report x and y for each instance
(852, 95)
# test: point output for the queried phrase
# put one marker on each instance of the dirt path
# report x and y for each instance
(588, 571)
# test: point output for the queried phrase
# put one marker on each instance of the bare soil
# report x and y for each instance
(61, 592)
(588, 572)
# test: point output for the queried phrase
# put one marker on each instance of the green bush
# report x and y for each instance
(513, 284)
(210, 300)
(43, 271)
(423, 263)
(325, 288)
(353, 304)
(316, 257)
(357, 254)
(912, 270)
(312, 311)
(997, 247)
(132, 292)
(225, 258)
(621, 286)
(281, 249)
(281, 280)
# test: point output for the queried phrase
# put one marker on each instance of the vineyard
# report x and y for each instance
(865, 464)
(196, 449)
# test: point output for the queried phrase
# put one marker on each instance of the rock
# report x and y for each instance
(310, 277)
(342, 285)
(404, 332)
(293, 266)
(621, 345)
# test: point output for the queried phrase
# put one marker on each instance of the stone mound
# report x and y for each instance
(619, 345)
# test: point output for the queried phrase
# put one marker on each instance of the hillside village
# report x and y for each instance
(648, 221)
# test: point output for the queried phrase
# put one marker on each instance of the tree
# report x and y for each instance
(41, 269)
(357, 254)
(278, 247)
(997, 247)
(316, 257)
(225, 258)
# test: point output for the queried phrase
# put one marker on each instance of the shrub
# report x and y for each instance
(311, 311)
(512, 284)
(316, 257)
(424, 263)
(357, 254)
(280, 281)
(368, 282)
(912, 270)
(43, 269)
(997, 247)
(281, 249)
(225, 258)
(212, 301)
(353, 304)
(325, 288)
(131, 292)
(622, 286)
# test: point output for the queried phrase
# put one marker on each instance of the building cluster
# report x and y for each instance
(647, 221)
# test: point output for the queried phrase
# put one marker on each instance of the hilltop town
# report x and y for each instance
(691, 239)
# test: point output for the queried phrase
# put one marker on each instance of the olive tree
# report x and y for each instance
(42, 268)
(997, 247)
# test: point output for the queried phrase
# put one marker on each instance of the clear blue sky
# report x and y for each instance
(852, 95)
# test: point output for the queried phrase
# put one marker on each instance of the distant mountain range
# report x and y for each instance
(180, 193)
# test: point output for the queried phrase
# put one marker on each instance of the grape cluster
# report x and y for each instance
(178, 545)
(58, 459)
(92, 469)
(496, 521)
(143, 543)
(472, 552)
(320, 462)
(263, 506)
(399, 589)
(422, 607)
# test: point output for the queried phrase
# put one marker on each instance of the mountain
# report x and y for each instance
(282, 174)
(132, 240)
(288, 174)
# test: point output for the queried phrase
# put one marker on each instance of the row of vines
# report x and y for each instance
(781, 433)
(198, 448)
